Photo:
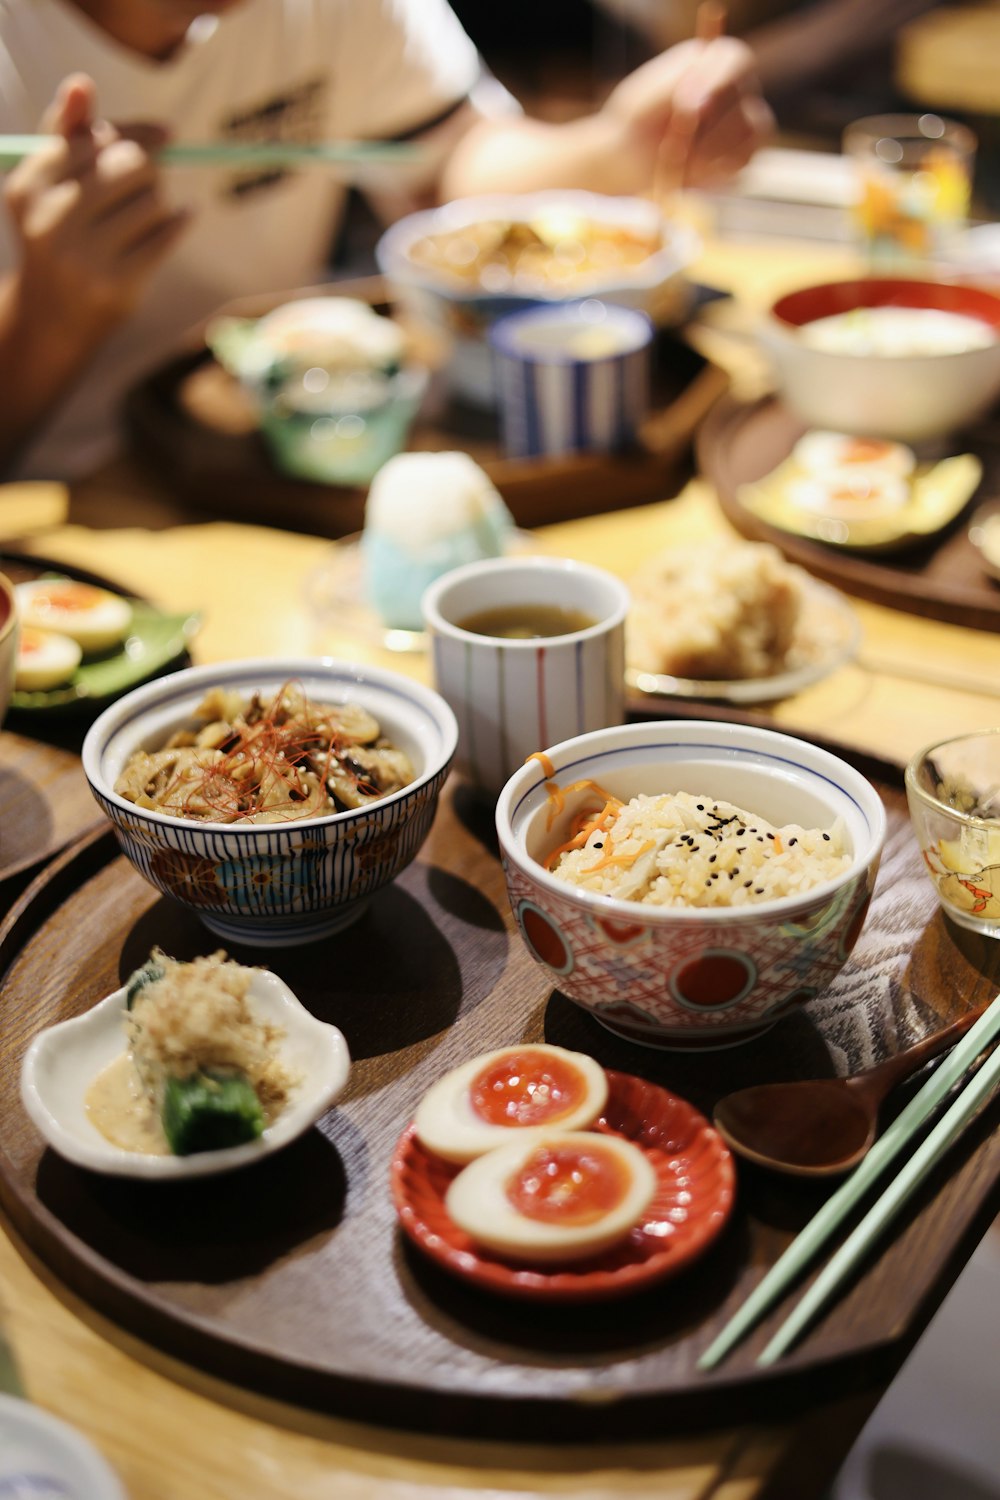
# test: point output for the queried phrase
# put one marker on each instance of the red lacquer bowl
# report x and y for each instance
(694, 1197)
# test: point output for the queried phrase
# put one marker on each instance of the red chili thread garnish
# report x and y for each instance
(279, 745)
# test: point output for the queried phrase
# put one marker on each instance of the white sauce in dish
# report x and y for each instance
(894, 332)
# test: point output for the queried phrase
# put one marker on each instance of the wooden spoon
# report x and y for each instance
(822, 1126)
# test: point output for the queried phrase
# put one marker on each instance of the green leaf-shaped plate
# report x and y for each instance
(154, 641)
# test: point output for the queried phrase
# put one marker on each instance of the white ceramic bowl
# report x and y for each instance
(464, 311)
(690, 978)
(63, 1061)
(909, 398)
(284, 883)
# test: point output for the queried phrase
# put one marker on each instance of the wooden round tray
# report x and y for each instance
(944, 579)
(292, 1277)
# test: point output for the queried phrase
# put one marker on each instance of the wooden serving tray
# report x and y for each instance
(197, 427)
(292, 1277)
(944, 579)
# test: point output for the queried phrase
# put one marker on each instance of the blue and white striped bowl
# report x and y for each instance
(571, 378)
(275, 884)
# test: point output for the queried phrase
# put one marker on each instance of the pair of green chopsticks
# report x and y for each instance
(14, 148)
(899, 1134)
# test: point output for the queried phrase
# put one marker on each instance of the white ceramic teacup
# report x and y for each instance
(8, 642)
(515, 696)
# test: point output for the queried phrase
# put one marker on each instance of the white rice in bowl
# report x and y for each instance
(680, 850)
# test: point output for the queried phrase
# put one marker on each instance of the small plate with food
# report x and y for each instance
(188, 1069)
(732, 621)
(81, 641)
(534, 1173)
(862, 494)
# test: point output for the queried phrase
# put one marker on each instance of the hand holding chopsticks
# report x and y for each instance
(898, 1136)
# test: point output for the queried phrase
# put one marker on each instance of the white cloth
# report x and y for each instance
(269, 69)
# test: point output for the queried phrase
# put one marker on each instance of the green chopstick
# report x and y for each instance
(14, 148)
(858, 1243)
(899, 1134)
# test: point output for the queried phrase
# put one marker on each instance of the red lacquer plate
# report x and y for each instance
(694, 1198)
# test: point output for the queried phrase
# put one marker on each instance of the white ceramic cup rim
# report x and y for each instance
(634, 326)
(435, 596)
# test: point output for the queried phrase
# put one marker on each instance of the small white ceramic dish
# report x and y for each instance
(63, 1061)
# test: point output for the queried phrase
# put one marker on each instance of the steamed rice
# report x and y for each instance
(676, 849)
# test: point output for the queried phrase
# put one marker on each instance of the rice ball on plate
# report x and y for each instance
(426, 514)
(719, 611)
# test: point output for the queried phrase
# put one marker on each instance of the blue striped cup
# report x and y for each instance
(571, 377)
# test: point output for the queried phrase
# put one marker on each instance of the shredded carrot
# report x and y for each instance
(548, 769)
(778, 846)
(583, 826)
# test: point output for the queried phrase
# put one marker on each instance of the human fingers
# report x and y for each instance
(74, 107)
(121, 171)
(133, 221)
(715, 75)
(724, 144)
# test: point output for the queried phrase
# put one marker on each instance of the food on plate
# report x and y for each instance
(427, 513)
(336, 336)
(267, 760)
(714, 610)
(201, 1071)
(531, 1087)
(45, 659)
(561, 1197)
(850, 494)
(93, 617)
(676, 849)
(557, 250)
(819, 452)
(898, 332)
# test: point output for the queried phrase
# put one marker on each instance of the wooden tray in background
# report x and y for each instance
(193, 423)
(944, 579)
(292, 1277)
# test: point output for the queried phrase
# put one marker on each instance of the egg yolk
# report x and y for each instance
(527, 1088)
(68, 596)
(31, 641)
(866, 450)
(568, 1184)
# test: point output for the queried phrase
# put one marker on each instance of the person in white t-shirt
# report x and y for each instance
(105, 259)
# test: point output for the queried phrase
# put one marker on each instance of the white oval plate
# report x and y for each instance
(827, 636)
(63, 1061)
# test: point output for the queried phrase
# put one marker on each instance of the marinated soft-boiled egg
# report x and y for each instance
(535, 1087)
(850, 494)
(93, 617)
(45, 659)
(819, 452)
(557, 1197)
